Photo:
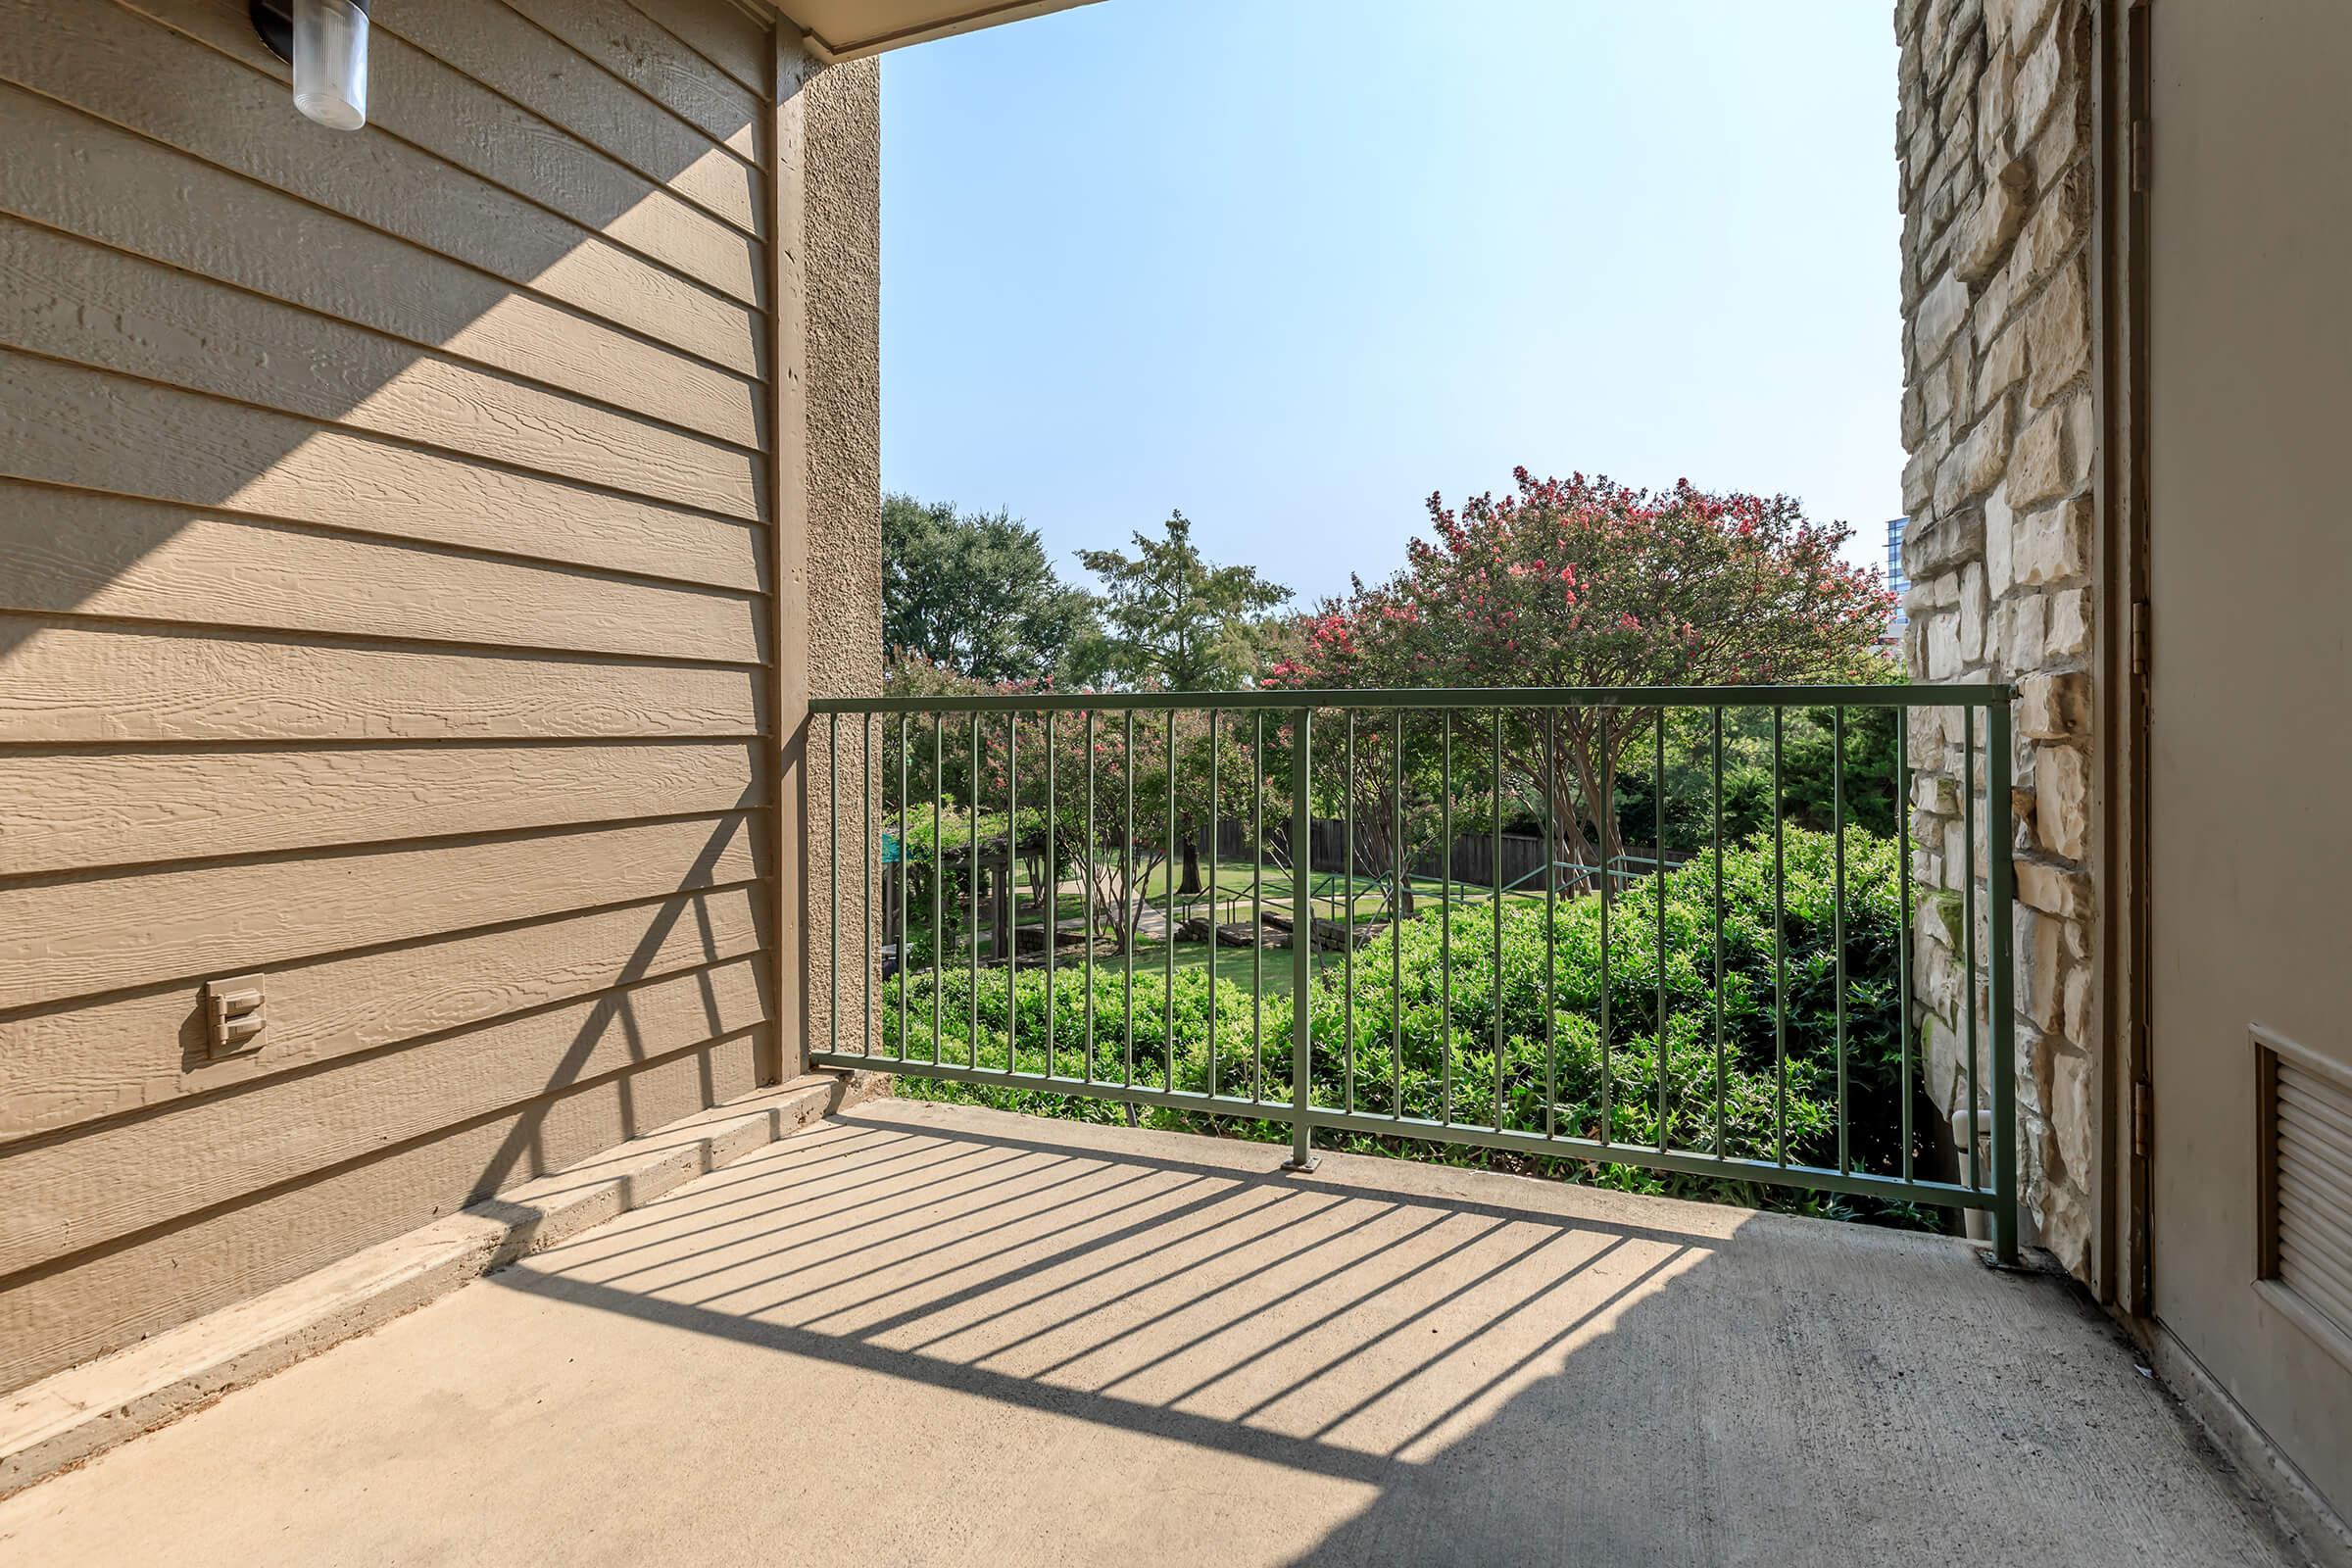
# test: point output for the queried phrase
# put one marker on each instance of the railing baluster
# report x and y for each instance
(1902, 928)
(1657, 870)
(1715, 728)
(870, 854)
(1167, 945)
(1968, 921)
(1213, 890)
(1012, 893)
(2000, 847)
(905, 886)
(1087, 909)
(1052, 888)
(1348, 882)
(1604, 811)
(1837, 922)
(1551, 915)
(1445, 932)
(1130, 903)
(1498, 870)
(1303, 948)
(972, 872)
(833, 872)
(1780, 952)
(939, 879)
(1398, 881)
(1257, 908)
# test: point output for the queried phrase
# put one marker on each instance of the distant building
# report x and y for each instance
(1897, 583)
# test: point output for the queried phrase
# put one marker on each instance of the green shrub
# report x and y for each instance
(1433, 1042)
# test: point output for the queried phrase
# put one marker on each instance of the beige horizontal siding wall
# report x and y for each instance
(386, 555)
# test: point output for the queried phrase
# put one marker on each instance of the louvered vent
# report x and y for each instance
(2308, 1106)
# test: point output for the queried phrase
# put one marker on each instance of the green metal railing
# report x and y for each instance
(1127, 778)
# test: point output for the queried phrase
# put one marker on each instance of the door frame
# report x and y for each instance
(2121, 1264)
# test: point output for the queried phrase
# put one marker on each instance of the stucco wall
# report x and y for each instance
(1992, 131)
(844, 560)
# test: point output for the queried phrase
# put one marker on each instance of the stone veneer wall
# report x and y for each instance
(1994, 137)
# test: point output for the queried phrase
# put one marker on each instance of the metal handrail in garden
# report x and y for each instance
(1666, 1061)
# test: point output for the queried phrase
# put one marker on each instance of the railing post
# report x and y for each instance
(1303, 945)
(1998, 851)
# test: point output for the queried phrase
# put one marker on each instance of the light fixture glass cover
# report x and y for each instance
(330, 62)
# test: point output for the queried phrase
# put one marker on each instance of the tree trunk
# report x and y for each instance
(1191, 885)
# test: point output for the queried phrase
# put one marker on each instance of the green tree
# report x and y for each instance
(1174, 620)
(974, 593)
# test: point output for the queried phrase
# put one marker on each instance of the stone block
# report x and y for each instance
(1935, 396)
(1994, 109)
(1944, 590)
(1975, 465)
(2062, 801)
(1960, 368)
(1939, 314)
(2039, 469)
(1947, 540)
(1944, 648)
(1934, 31)
(2060, 143)
(2081, 439)
(2003, 365)
(2041, 966)
(1921, 150)
(2054, 705)
(2001, 212)
(1919, 483)
(1998, 293)
(1931, 792)
(2062, 1218)
(1972, 612)
(1962, 56)
(2055, 230)
(2058, 332)
(2027, 15)
(2041, 78)
(2025, 641)
(2053, 888)
(1915, 418)
(2072, 1092)
(2052, 544)
(2023, 817)
(2069, 623)
(2001, 525)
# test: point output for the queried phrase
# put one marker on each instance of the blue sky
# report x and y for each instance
(1292, 265)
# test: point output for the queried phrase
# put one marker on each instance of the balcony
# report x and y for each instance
(941, 1334)
(934, 1332)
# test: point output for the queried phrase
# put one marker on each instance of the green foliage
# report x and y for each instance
(1425, 1041)
(1175, 620)
(974, 593)
(1808, 789)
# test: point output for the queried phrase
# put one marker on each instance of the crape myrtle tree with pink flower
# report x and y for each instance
(1579, 582)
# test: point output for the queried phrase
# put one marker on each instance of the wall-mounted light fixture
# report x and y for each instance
(327, 43)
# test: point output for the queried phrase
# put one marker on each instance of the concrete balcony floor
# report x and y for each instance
(918, 1334)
